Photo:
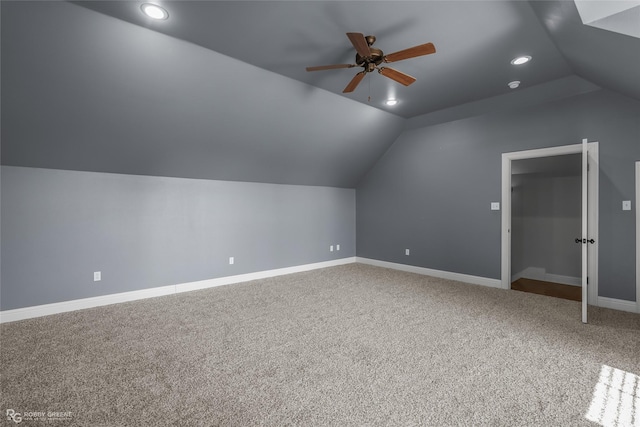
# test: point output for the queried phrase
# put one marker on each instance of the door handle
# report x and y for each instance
(585, 241)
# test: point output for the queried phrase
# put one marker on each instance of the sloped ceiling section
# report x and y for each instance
(606, 58)
(85, 91)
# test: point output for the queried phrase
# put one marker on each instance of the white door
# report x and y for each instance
(637, 237)
(585, 228)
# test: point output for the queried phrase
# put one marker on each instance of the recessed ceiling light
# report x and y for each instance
(514, 84)
(391, 102)
(521, 60)
(154, 11)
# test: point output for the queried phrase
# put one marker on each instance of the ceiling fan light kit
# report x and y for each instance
(369, 58)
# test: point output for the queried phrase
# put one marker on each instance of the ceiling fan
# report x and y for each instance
(369, 58)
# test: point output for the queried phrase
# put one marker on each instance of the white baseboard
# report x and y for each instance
(7, 316)
(615, 304)
(618, 304)
(538, 273)
(80, 304)
(229, 280)
(564, 280)
(475, 280)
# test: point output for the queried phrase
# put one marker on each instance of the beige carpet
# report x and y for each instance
(344, 346)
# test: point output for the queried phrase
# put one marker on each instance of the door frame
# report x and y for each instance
(637, 237)
(593, 177)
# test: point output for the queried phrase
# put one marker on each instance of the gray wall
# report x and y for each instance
(84, 91)
(432, 189)
(545, 221)
(58, 227)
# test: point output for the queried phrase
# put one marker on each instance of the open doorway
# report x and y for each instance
(546, 219)
(588, 237)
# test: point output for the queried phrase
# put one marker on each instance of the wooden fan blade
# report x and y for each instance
(412, 52)
(354, 82)
(330, 67)
(360, 43)
(396, 75)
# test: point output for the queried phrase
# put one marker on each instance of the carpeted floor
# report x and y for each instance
(349, 345)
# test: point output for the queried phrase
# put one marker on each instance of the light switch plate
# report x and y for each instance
(495, 206)
(626, 205)
(97, 276)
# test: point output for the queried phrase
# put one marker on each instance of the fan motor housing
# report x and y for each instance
(371, 61)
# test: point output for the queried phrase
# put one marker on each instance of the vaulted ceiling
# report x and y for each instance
(219, 90)
(475, 43)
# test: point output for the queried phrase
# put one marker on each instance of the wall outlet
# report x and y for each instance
(97, 276)
(337, 247)
(495, 206)
(231, 260)
(626, 205)
(407, 252)
(331, 248)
